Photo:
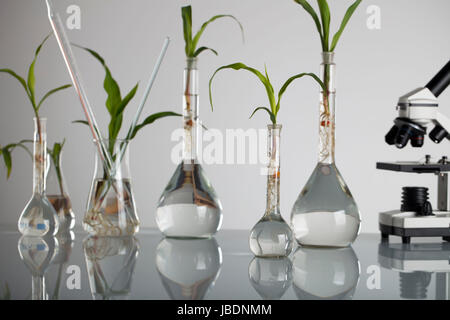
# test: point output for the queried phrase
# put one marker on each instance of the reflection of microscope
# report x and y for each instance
(416, 218)
(416, 264)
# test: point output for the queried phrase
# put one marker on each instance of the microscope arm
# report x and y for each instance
(440, 81)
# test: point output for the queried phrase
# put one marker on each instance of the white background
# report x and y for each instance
(374, 67)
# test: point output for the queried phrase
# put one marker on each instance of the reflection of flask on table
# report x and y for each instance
(110, 263)
(188, 268)
(330, 274)
(270, 277)
(60, 261)
(189, 206)
(37, 254)
(325, 213)
(417, 264)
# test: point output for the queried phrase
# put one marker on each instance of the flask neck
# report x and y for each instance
(40, 159)
(327, 124)
(190, 111)
(273, 170)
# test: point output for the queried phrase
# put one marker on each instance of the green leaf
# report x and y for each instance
(126, 100)
(273, 117)
(186, 14)
(325, 16)
(31, 78)
(201, 49)
(344, 22)
(109, 84)
(48, 94)
(81, 121)
(289, 81)
(8, 162)
(19, 78)
(203, 27)
(313, 14)
(261, 77)
(152, 118)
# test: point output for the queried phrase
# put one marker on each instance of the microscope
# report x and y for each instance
(416, 217)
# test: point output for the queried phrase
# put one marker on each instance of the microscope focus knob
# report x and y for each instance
(426, 210)
(415, 199)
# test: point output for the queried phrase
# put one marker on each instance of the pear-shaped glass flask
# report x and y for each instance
(57, 192)
(39, 218)
(189, 206)
(325, 213)
(271, 236)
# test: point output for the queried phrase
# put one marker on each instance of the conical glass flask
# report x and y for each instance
(325, 213)
(58, 194)
(189, 207)
(37, 253)
(272, 236)
(111, 210)
(39, 218)
(188, 268)
(271, 278)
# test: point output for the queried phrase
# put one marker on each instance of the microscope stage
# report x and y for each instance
(409, 224)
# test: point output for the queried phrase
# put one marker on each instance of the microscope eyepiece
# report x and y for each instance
(438, 134)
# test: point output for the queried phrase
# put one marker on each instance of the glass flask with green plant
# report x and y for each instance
(111, 209)
(189, 206)
(325, 213)
(39, 216)
(271, 237)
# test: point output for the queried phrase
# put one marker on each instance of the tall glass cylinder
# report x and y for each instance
(39, 218)
(325, 213)
(271, 236)
(111, 210)
(189, 206)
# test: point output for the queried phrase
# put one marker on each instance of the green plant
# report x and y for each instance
(191, 40)
(323, 25)
(54, 154)
(29, 87)
(264, 78)
(55, 157)
(116, 106)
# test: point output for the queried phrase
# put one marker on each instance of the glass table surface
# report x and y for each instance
(149, 266)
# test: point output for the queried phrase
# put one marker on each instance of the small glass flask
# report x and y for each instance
(189, 206)
(325, 213)
(39, 218)
(111, 210)
(58, 194)
(271, 236)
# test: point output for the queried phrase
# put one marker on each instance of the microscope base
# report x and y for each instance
(407, 225)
